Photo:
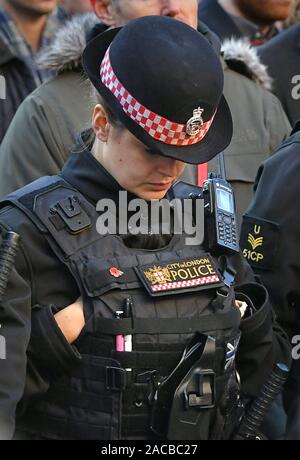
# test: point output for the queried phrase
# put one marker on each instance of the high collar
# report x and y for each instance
(92, 180)
(88, 176)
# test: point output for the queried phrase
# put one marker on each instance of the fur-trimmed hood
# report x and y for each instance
(64, 54)
(240, 56)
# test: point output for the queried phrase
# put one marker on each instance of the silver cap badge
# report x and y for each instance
(195, 124)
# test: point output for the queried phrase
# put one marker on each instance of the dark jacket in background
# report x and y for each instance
(274, 211)
(46, 124)
(226, 25)
(218, 20)
(282, 58)
(19, 82)
(19, 71)
(271, 230)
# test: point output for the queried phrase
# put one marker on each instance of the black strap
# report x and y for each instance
(103, 279)
(69, 398)
(148, 360)
(50, 427)
(168, 325)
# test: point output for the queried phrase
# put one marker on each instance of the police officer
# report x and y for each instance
(270, 242)
(121, 321)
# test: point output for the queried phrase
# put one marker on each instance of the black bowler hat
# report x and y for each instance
(164, 81)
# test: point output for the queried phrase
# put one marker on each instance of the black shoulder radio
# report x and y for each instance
(220, 223)
(221, 233)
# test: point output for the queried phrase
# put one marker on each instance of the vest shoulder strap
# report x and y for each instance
(59, 211)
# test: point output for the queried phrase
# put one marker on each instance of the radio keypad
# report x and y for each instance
(227, 229)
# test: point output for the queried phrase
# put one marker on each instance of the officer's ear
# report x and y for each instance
(103, 10)
(100, 123)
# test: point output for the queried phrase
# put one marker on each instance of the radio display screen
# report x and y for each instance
(225, 201)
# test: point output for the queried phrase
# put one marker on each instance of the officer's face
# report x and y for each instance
(139, 171)
(266, 11)
(183, 10)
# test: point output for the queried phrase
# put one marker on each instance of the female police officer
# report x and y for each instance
(97, 366)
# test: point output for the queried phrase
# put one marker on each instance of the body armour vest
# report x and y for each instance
(162, 330)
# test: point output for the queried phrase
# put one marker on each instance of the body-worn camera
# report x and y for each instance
(220, 232)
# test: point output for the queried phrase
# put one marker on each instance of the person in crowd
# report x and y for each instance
(254, 19)
(269, 240)
(281, 55)
(26, 26)
(67, 8)
(113, 312)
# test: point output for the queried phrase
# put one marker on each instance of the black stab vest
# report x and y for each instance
(110, 394)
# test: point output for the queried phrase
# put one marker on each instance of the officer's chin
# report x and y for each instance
(153, 196)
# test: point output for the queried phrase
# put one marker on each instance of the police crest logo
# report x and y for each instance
(180, 276)
(158, 275)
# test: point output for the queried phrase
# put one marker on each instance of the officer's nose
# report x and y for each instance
(170, 8)
(168, 167)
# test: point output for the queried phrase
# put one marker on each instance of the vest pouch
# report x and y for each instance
(85, 405)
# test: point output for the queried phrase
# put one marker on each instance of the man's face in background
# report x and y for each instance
(32, 7)
(183, 10)
(266, 12)
(76, 6)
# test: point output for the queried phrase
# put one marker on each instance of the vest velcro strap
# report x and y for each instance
(147, 360)
(112, 377)
(135, 424)
(167, 325)
(102, 280)
(115, 378)
(70, 398)
(65, 428)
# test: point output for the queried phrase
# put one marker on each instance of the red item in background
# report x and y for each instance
(202, 173)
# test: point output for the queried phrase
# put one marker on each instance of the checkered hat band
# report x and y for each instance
(186, 284)
(158, 127)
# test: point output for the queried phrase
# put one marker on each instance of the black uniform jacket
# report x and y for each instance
(270, 232)
(282, 57)
(41, 284)
(270, 241)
